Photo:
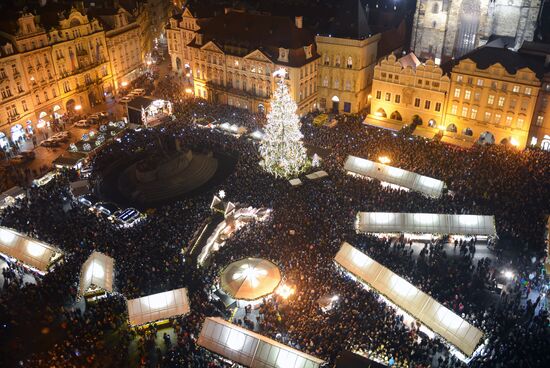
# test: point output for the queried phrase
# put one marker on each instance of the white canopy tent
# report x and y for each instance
(250, 349)
(159, 306)
(28, 251)
(393, 175)
(425, 223)
(97, 271)
(406, 296)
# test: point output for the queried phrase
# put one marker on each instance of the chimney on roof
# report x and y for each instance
(298, 21)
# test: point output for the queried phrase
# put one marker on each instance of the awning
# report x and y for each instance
(97, 271)
(392, 125)
(407, 179)
(317, 175)
(425, 223)
(250, 349)
(159, 306)
(26, 250)
(424, 132)
(406, 296)
(457, 141)
(250, 278)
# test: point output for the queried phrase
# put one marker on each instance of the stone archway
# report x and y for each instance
(381, 113)
(396, 116)
(69, 106)
(468, 131)
(486, 138)
(452, 128)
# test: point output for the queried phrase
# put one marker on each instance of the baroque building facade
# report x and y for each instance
(445, 29)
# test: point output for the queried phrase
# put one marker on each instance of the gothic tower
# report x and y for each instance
(445, 29)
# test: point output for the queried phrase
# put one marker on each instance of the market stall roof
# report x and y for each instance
(159, 306)
(464, 143)
(69, 159)
(425, 223)
(406, 296)
(28, 251)
(423, 132)
(250, 278)
(407, 179)
(250, 349)
(80, 187)
(383, 123)
(97, 271)
(10, 195)
(317, 175)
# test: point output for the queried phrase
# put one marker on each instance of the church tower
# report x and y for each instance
(445, 29)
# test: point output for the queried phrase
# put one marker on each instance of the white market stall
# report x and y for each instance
(250, 349)
(96, 274)
(439, 319)
(159, 306)
(31, 252)
(9, 197)
(395, 176)
(424, 223)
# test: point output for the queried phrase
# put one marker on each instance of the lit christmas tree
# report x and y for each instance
(283, 153)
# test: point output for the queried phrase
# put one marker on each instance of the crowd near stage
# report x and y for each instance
(430, 257)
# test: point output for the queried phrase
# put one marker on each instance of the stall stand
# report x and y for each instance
(10, 196)
(96, 276)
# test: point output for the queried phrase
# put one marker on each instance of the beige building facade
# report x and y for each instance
(492, 104)
(404, 90)
(179, 33)
(240, 72)
(345, 72)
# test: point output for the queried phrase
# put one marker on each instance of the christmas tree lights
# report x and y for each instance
(283, 153)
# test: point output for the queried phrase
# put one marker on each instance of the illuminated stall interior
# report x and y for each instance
(31, 252)
(250, 349)
(158, 307)
(395, 176)
(250, 279)
(439, 319)
(424, 223)
(96, 275)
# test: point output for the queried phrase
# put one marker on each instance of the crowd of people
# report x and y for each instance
(306, 228)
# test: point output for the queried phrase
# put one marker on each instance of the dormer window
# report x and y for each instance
(308, 51)
(283, 55)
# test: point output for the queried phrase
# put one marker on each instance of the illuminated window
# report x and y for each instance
(501, 101)
(388, 96)
(454, 109)
(497, 118)
(508, 120)
(519, 123)
(457, 92)
(464, 111)
(459, 78)
(515, 89)
(473, 114)
(528, 90)
(467, 94)
(487, 117)
(491, 100)
(480, 82)
(438, 106)
(540, 120)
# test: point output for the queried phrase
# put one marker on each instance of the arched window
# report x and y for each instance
(452, 128)
(435, 8)
(468, 132)
(350, 62)
(327, 59)
(337, 60)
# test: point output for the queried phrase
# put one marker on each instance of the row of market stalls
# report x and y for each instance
(424, 223)
(395, 176)
(432, 314)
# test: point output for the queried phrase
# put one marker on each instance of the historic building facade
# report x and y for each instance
(180, 32)
(492, 96)
(232, 65)
(345, 72)
(445, 29)
(404, 90)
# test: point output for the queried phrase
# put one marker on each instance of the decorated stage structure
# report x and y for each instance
(437, 318)
(251, 349)
(395, 177)
(148, 111)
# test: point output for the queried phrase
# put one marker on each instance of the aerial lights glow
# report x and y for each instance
(384, 160)
(448, 318)
(401, 286)
(7, 237)
(285, 291)
(236, 340)
(159, 301)
(35, 249)
(250, 274)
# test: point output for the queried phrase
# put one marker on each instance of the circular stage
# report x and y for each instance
(250, 279)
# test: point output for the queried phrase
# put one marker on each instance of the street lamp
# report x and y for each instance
(124, 84)
(384, 160)
(78, 107)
